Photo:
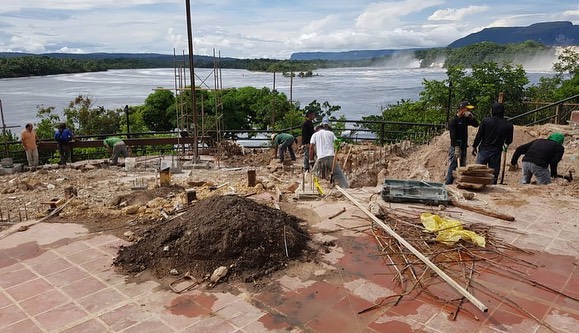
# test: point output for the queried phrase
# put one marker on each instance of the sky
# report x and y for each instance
(258, 29)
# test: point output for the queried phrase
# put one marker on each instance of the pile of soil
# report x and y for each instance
(249, 238)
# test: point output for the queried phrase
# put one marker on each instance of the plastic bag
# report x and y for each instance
(449, 231)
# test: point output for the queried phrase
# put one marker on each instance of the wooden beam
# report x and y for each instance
(417, 253)
(481, 210)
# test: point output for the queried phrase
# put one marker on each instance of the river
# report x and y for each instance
(359, 91)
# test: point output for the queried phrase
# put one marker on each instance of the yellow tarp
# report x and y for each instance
(449, 230)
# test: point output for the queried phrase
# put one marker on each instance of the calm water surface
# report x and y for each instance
(359, 91)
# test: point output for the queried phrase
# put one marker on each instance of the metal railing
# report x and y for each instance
(544, 113)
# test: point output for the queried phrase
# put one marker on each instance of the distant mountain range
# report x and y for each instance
(561, 33)
(548, 33)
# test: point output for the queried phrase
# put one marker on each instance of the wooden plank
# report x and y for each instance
(417, 253)
(470, 186)
(481, 210)
(474, 180)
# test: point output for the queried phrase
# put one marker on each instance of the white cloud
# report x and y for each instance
(383, 15)
(456, 14)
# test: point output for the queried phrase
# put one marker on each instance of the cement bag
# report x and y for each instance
(449, 231)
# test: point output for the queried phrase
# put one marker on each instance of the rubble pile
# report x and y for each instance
(249, 239)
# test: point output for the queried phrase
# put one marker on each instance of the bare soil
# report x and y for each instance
(250, 239)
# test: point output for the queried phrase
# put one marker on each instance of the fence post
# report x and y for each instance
(558, 114)
(382, 134)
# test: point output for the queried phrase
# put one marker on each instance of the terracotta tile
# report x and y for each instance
(563, 321)
(87, 255)
(210, 325)
(186, 305)
(24, 326)
(206, 300)
(352, 305)
(268, 322)
(4, 300)
(537, 307)
(558, 264)
(330, 321)
(82, 288)
(51, 267)
(533, 291)
(100, 264)
(89, 326)
(312, 301)
(29, 289)
(44, 302)
(61, 316)
(101, 239)
(240, 313)
(15, 278)
(503, 319)
(45, 257)
(101, 300)
(66, 276)
(125, 316)
(6, 261)
(572, 287)
(395, 326)
(442, 322)
(11, 268)
(136, 289)
(24, 251)
(149, 326)
(11, 314)
(112, 248)
(72, 248)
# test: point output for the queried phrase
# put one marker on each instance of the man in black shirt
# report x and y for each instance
(458, 127)
(307, 132)
(540, 154)
(494, 135)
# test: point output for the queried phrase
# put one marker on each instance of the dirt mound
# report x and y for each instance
(249, 238)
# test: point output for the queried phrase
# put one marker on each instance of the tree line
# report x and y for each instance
(32, 65)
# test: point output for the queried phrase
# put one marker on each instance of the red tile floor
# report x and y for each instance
(59, 278)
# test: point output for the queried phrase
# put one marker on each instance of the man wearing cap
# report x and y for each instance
(307, 132)
(458, 127)
(322, 141)
(539, 155)
(494, 135)
(284, 141)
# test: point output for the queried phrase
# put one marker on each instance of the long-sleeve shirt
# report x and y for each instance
(493, 133)
(542, 152)
(307, 132)
(281, 138)
(458, 128)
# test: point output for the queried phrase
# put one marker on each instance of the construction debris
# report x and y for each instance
(473, 176)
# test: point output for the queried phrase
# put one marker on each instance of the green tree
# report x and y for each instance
(157, 113)
(85, 119)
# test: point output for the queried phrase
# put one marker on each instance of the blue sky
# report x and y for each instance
(256, 29)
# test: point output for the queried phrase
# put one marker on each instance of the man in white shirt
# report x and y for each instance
(323, 143)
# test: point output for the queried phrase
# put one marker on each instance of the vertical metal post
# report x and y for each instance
(382, 134)
(128, 123)
(6, 150)
(449, 102)
(192, 74)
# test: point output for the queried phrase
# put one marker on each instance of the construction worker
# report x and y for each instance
(285, 142)
(30, 143)
(64, 136)
(458, 127)
(117, 147)
(307, 132)
(539, 155)
(494, 135)
(322, 141)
